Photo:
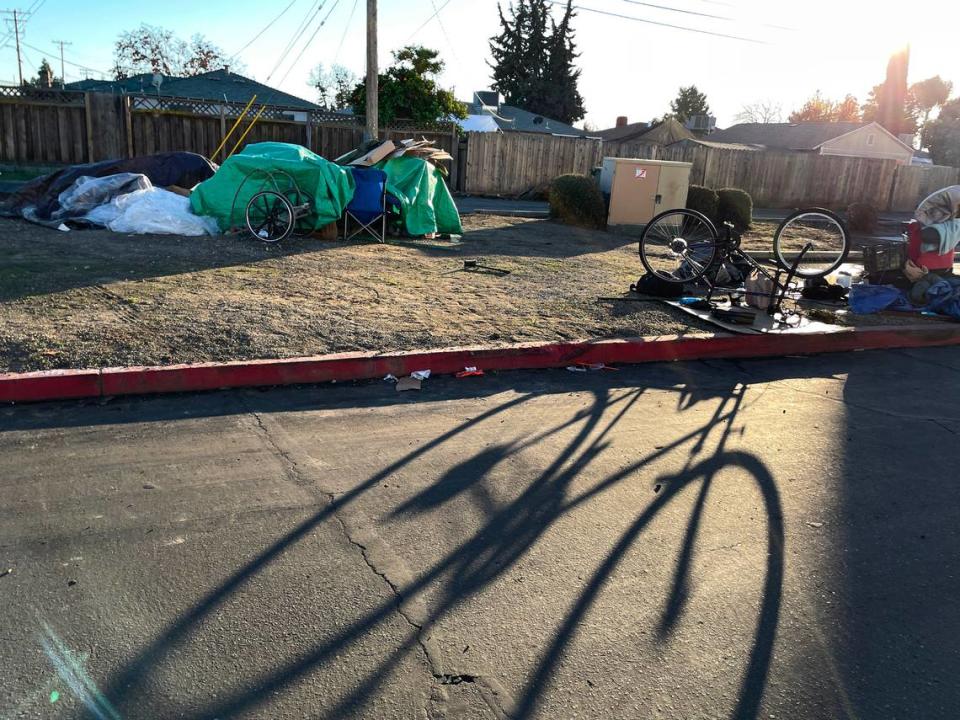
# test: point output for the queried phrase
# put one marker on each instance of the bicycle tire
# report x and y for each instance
(269, 216)
(659, 246)
(838, 246)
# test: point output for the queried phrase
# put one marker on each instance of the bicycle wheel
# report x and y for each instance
(678, 246)
(826, 234)
(270, 216)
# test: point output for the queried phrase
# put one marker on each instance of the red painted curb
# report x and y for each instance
(66, 384)
(49, 385)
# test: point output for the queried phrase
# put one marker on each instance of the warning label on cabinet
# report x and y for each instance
(640, 172)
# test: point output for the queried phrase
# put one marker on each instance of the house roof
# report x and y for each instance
(718, 145)
(213, 85)
(510, 118)
(786, 136)
(666, 132)
(661, 133)
(624, 132)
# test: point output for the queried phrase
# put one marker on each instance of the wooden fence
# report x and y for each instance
(62, 127)
(56, 127)
(513, 163)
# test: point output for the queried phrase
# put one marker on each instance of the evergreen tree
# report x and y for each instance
(533, 61)
(689, 102)
(565, 99)
(45, 73)
(409, 90)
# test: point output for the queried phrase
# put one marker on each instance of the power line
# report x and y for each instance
(24, 16)
(344, 36)
(660, 24)
(68, 62)
(309, 41)
(679, 10)
(265, 28)
(63, 74)
(453, 50)
(297, 35)
(427, 21)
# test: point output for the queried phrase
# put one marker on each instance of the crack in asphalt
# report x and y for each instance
(490, 691)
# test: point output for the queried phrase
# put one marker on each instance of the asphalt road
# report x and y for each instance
(765, 539)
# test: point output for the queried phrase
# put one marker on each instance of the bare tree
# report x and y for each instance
(156, 49)
(333, 86)
(765, 111)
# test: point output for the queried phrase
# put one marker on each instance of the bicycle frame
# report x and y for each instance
(728, 246)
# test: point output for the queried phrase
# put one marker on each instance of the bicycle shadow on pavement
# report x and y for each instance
(509, 531)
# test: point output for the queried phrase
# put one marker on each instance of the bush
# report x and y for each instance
(862, 217)
(735, 206)
(576, 200)
(703, 200)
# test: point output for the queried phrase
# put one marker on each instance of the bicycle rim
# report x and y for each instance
(822, 231)
(678, 246)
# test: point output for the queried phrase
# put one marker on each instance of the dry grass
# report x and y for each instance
(94, 298)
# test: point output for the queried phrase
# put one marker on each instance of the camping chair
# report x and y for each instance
(369, 204)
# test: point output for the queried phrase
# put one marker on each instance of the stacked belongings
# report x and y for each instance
(137, 195)
(925, 281)
(415, 179)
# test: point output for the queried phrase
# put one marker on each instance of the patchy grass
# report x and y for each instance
(94, 298)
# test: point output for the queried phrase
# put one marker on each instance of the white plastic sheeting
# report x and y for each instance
(152, 211)
(88, 192)
(479, 123)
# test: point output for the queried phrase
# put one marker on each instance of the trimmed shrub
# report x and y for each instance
(576, 200)
(862, 217)
(735, 206)
(703, 200)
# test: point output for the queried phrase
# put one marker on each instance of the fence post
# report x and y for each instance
(309, 130)
(454, 153)
(223, 127)
(88, 121)
(128, 123)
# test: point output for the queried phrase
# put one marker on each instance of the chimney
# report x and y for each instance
(622, 121)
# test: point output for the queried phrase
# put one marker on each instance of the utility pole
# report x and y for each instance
(16, 34)
(63, 75)
(373, 90)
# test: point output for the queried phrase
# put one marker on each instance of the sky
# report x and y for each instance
(782, 51)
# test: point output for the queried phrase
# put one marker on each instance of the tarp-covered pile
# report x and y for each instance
(426, 204)
(40, 199)
(128, 195)
(326, 185)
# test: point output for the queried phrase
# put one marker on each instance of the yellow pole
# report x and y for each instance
(249, 128)
(227, 136)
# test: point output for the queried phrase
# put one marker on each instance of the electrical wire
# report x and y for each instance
(427, 21)
(265, 28)
(344, 36)
(309, 41)
(660, 24)
(309, 18)
(26, 15)
(443, 29)
(679, 10)
(68, 62)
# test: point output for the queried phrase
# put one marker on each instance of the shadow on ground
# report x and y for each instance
(895, 643)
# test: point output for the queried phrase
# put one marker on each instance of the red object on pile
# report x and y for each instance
(930, 260)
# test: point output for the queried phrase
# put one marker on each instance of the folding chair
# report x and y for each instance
(369, 204)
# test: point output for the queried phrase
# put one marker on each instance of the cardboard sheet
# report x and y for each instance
(762, 324)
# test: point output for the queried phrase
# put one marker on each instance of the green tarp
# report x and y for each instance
(427, 206)
(326, 184)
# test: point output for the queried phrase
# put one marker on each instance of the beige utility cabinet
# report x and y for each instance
(640, 189)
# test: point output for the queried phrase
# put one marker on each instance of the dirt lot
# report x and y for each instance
(92, 298)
